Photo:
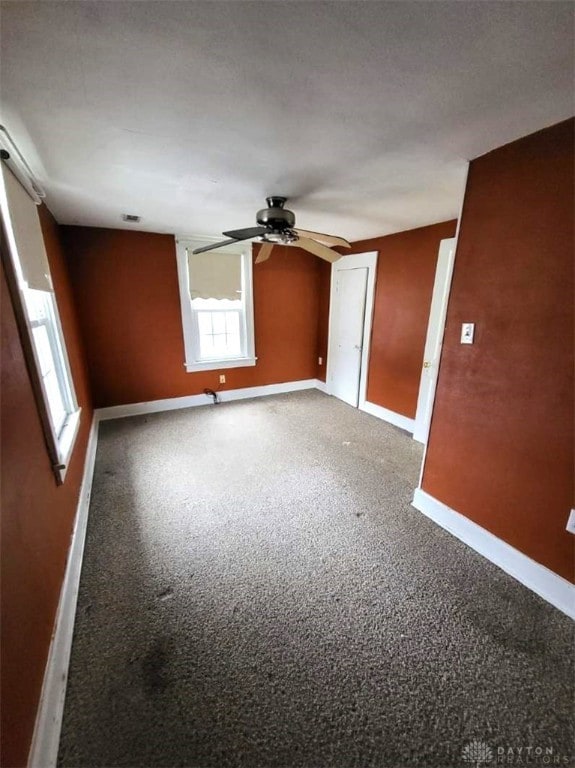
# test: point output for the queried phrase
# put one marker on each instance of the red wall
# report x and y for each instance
(324, 268)
(129, 307)
(502, 435)
(37, 515)
(406, 265)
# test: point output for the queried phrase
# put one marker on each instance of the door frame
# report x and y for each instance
(354, 261)
(434, 337)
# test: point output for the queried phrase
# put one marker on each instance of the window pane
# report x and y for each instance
(234, 345)
(204, 323)
(207, 347)
(35, 304)
(220, 345)
(42, 344)
(56, 407)
(219, 334)
(233, 323)
(219, 322)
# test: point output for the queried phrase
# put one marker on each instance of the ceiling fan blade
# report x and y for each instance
(245, 234)
(317, 249)
(215, 245)
(264, 252)
(328, 239)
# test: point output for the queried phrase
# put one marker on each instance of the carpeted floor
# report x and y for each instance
(257, 592)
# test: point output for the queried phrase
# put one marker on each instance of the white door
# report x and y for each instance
(434, 339)
(348, 320)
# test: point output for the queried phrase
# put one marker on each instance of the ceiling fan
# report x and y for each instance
(276, 227)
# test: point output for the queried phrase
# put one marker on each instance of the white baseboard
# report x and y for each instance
(541, 580)
(403, 422)
(321, 385)
(44, 748)
(46, 737)
(193, 401)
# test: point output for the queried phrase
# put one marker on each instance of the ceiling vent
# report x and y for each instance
(131, 218)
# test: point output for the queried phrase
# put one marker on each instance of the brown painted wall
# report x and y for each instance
(404, 285)
(37, 515)
(323, 317)
(502, 435)
(129, 307)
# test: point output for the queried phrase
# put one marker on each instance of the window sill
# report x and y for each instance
(66, 443)
(220, 365)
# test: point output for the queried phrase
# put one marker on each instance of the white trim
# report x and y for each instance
(193, 401)
(434, 339)
(541, 580)
(67, 440)
(397, 419)
(366, 260)
(221, 365)
(457, 230)
(20, 168)
(45, 741)
(191, 363)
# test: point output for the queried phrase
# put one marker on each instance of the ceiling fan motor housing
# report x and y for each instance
(276, 217)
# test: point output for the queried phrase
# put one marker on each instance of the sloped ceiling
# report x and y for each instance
(190, 113)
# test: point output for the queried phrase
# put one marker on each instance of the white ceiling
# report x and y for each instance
(191, 113)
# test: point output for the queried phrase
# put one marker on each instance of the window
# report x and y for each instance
(216, 304)
(37, 312)
(41, 310)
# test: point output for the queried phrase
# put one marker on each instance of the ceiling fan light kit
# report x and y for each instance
(276, 226)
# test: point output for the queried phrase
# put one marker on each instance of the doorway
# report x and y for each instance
(434, 339)
(350, 318)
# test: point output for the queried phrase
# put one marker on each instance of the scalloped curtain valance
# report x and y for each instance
(215, 275)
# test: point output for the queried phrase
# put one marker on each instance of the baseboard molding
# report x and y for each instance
(45, 742)
(403, 422)
(321, 385)
(193, 401)
(46, 738)
(536, 577)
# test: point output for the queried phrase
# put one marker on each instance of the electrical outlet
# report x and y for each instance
(571, 522)
(222, 378)
(320, 361)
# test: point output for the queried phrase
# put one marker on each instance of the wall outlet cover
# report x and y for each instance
(467, 333)
(222, 378)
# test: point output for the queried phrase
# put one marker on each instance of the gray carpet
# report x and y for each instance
(257, 592)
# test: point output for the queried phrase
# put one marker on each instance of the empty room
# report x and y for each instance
(287, 384)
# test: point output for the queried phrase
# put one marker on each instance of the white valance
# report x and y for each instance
(25, 233)
(215, 275)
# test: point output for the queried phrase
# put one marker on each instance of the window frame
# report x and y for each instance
(64, 436)
(60, 443)
(190, 329)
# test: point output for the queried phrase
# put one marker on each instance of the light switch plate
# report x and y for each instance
(467, 333)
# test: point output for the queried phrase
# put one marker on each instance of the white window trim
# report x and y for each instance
(69, 432)
(65, 439)
(60, 444)
(188, 320)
